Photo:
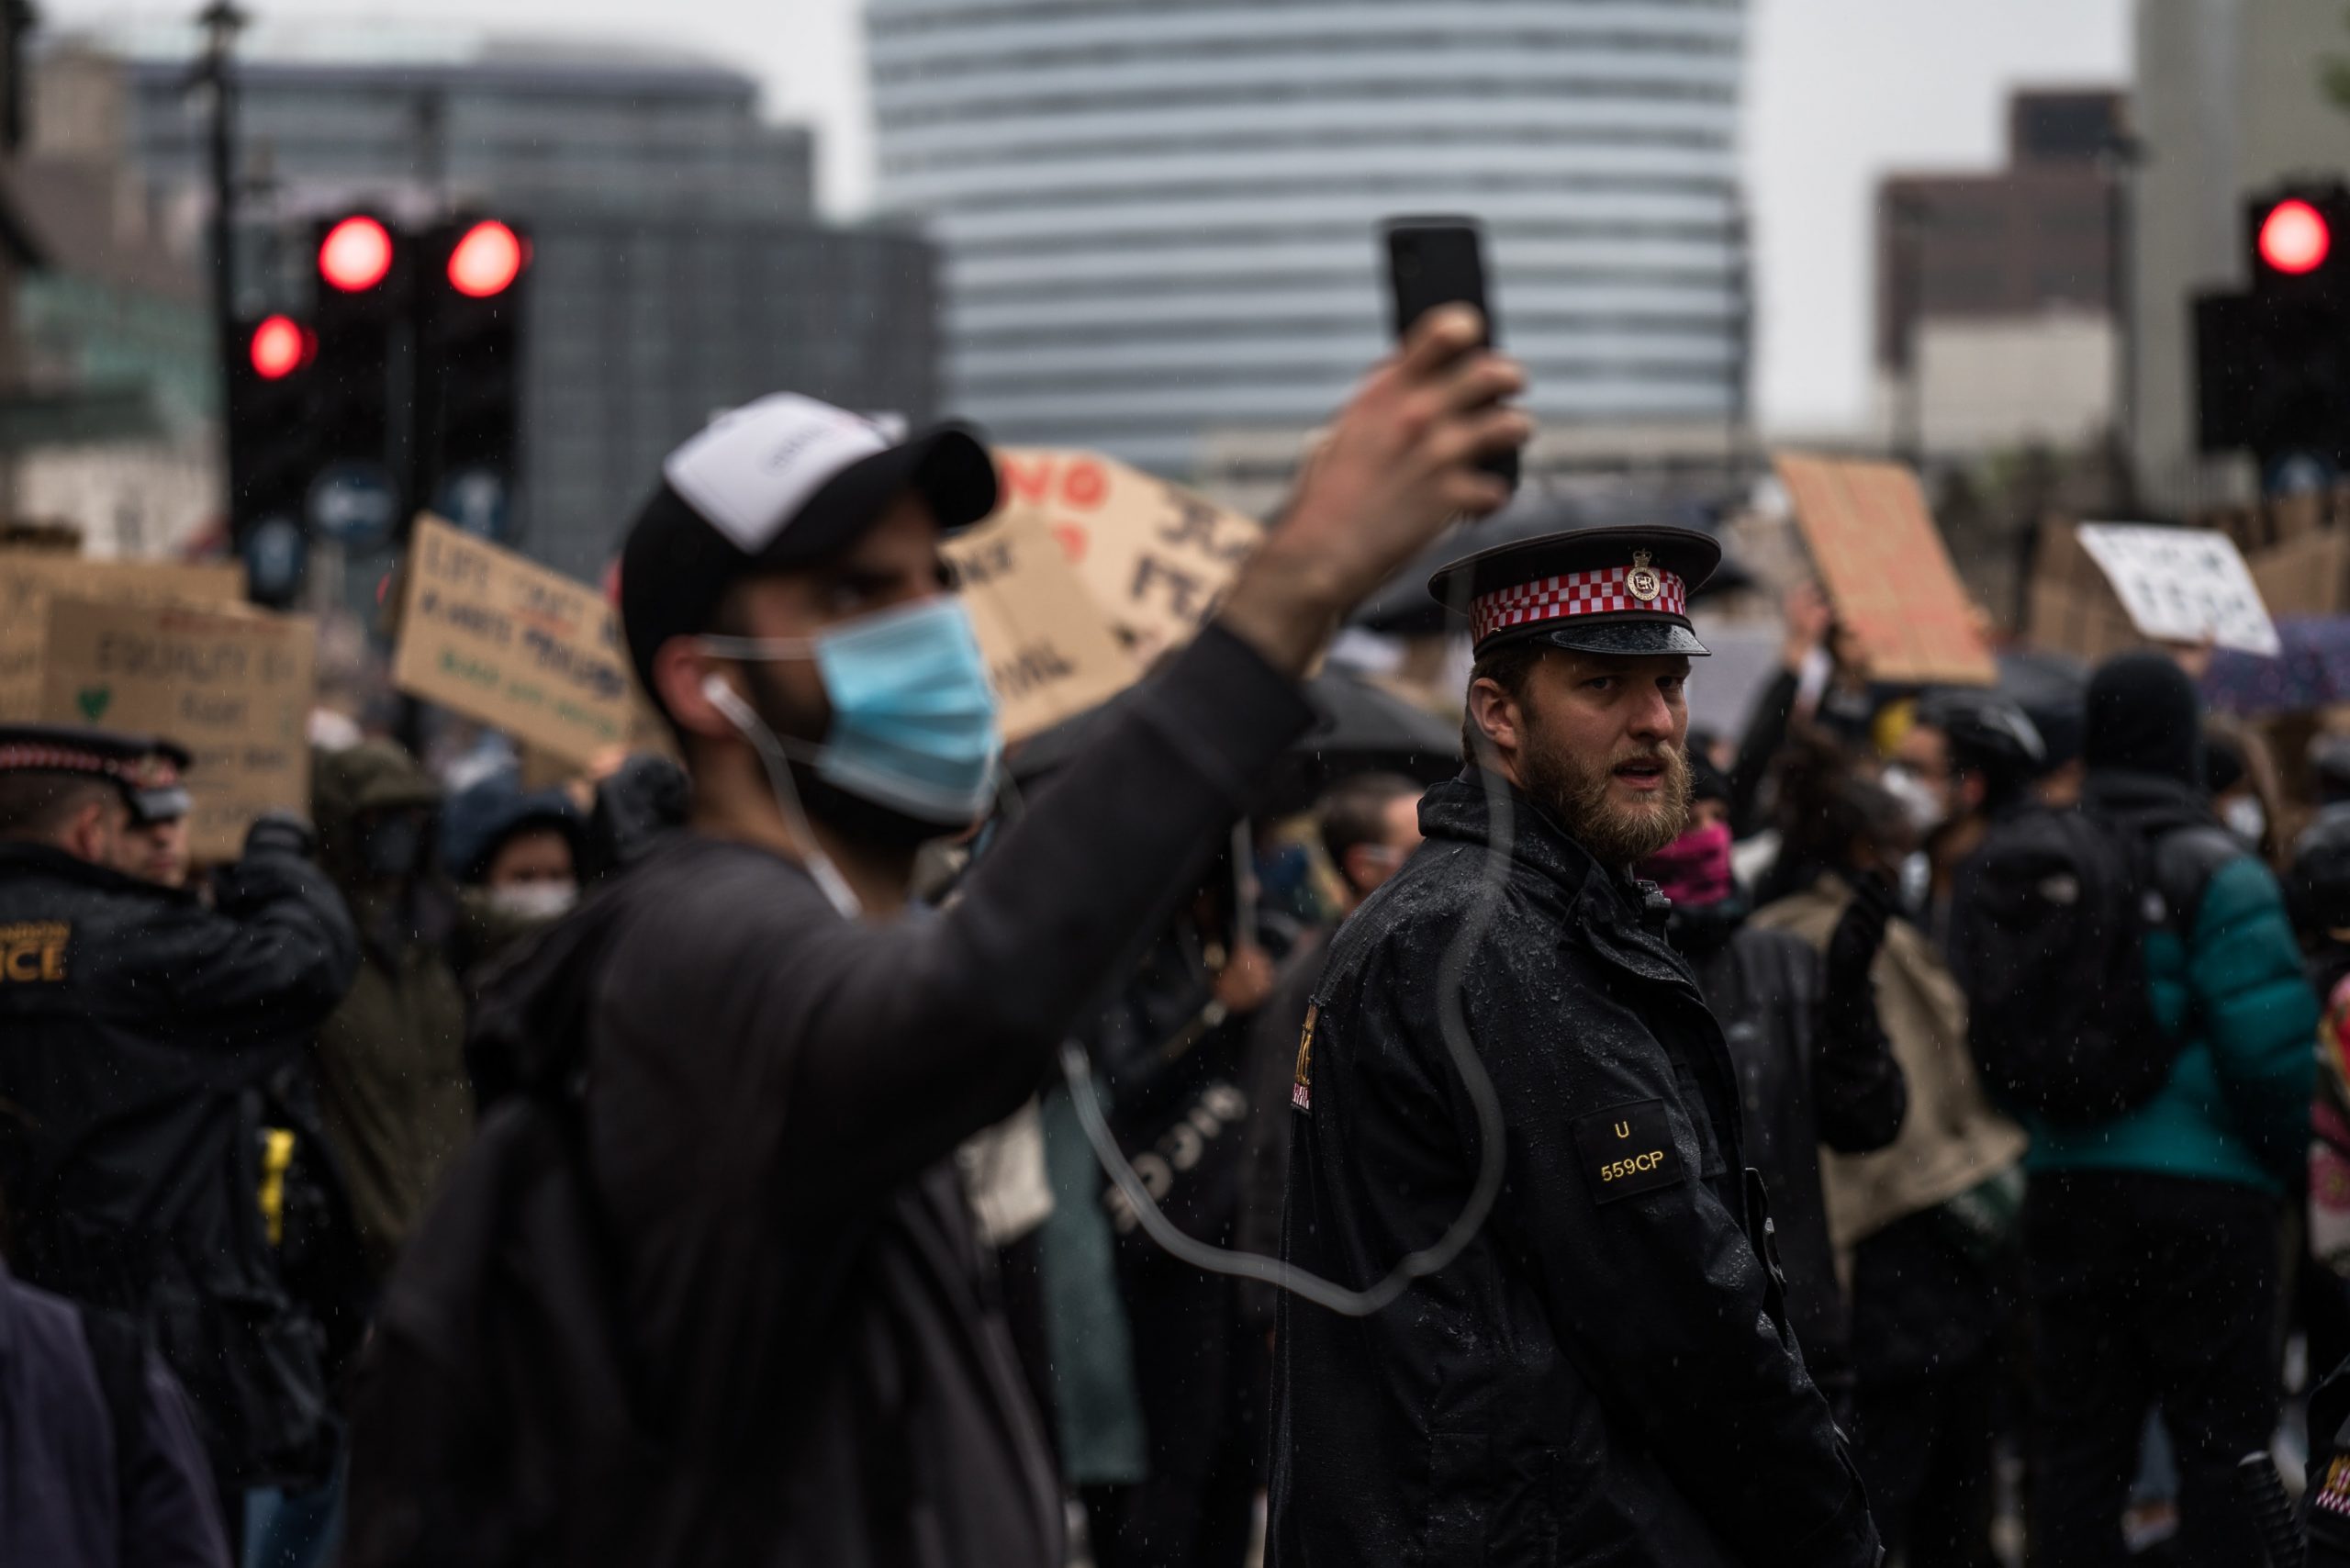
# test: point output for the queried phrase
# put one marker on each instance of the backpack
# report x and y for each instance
(494, 1409)
(2049, 945)
(501, 1413)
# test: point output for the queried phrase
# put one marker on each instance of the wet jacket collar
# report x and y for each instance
(1458, 809)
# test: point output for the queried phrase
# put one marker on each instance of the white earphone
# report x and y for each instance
(739, 713)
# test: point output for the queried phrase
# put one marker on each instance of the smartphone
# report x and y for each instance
(1441, 260)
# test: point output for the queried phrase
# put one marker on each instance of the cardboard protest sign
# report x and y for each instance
(1049, 649)
(2069, 607)
(233, 684)
(30, 578)
(2182, 585)
(504, 641)
(1887, 571)
(1157, 558)
(2309, 574)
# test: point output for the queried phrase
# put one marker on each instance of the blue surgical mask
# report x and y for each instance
(913, 717)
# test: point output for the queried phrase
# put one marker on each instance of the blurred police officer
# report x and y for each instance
(1605, 1373)
(139, 1024)
(779, 1061)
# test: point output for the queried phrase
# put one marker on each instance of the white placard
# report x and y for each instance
(2182, 585)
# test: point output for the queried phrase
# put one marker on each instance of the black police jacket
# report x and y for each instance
(140, 1025)
(1604, 1376)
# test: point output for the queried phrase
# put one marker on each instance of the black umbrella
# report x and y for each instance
(1403, 606)
(1360, 728)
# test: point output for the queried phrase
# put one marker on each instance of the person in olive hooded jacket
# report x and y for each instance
(391, 1066)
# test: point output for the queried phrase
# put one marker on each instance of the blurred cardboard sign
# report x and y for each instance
(1157, 558)
(2070, 607)
(233, 685)
(30, 578)
(1050, 652)
(2183, 585)
(2306, 574)
(506, 642)
(1886, 569)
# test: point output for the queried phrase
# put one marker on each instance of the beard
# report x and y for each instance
(1579, 793)
(869, 824)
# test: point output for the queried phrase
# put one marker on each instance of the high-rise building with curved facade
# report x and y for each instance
(1157, 216)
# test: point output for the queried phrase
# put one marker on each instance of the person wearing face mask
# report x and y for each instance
(515, 855)
(1812, 1059)
(392, 1087)
(140, 1028)
(2240, 779)
(754, 1062)
(1966, 759)
(1924, 1226)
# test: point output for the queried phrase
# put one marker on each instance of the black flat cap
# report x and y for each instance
(1594, 590)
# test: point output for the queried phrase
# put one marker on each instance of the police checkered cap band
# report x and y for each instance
(1606, 592)
(23, 759)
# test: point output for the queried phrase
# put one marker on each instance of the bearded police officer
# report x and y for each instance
(139, 1024)
(1605, 1374)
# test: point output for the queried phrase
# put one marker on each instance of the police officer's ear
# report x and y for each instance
(1497, 717)
(94, 829)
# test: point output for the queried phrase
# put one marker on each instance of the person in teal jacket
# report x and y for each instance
(2151, 1240)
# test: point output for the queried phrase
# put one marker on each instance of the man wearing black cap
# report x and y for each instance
(1605, 1373)
(153, 846)
(779, 1062)
(139, 1024)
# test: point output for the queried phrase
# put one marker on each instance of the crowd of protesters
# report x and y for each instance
(680, 1167)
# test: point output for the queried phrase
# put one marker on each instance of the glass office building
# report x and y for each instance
(1157, 216)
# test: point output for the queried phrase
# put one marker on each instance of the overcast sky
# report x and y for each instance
(1839, 92)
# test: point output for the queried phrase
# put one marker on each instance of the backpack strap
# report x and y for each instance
(119, 1355)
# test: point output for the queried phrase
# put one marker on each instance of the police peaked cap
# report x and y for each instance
(1594, 590)
(145, 768)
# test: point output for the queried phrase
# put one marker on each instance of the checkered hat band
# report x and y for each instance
(56, 759)
(1574, 593)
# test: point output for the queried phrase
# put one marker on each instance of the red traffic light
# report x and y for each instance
(2294, 238)
(280, 346)
(486, 260)
(356, 254)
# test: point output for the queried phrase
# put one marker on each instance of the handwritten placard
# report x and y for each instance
(1154, 555)
(504, 641)
(234, 686)
(1886, 570)
(2182, 585)
(1050, 652)
(30, 578)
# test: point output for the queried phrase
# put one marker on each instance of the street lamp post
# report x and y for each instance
(221, 22)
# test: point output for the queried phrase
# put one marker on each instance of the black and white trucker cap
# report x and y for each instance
(777, 484)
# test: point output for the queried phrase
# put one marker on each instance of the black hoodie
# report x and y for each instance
(771, 1098)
